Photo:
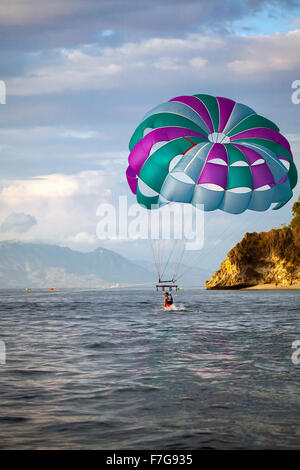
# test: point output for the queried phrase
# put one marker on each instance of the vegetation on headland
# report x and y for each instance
(263, 258)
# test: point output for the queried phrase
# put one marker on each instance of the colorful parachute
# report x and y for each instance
(213, 151)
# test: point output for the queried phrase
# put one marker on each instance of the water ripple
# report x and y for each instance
(109, 369)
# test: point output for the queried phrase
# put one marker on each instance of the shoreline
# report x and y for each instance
(295, 286)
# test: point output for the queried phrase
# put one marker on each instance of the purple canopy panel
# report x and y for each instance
(132, 179)
(225, 106)
(197, 106)
(261, 176)
(214, 174)
(218, 151)
(250, 154)
(263, 133)
(141, 150)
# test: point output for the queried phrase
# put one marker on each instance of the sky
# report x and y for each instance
(79, 77)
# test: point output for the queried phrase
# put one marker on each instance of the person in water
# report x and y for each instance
(168, 299)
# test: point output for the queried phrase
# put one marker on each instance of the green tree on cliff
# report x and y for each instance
(295, 222)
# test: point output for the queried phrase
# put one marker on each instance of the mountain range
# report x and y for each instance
(43, 265)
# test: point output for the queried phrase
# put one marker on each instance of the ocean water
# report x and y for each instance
(111, 370)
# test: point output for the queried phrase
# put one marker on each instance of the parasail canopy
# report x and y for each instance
(212, 151)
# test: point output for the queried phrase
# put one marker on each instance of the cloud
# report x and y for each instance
(45, 188)
(198, 62)
(167, 63)
(18, 12)
(56, 189)
(43, 133)
(71, 71)
(79, 134)
(73, 21)
(27, 152)
(69, 132)
(266, 54)
(92, 67)
(17, 223)
(63, 205)
(145, 63)
(82, 241)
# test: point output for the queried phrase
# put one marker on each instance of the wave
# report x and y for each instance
(175, 308)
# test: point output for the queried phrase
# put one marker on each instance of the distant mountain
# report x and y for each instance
(41, 265)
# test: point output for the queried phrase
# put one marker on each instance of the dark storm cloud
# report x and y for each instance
(35, 24)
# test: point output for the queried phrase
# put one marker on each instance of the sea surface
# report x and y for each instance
(109, 369)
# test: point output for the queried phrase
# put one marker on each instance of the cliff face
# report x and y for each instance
(261, 258)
